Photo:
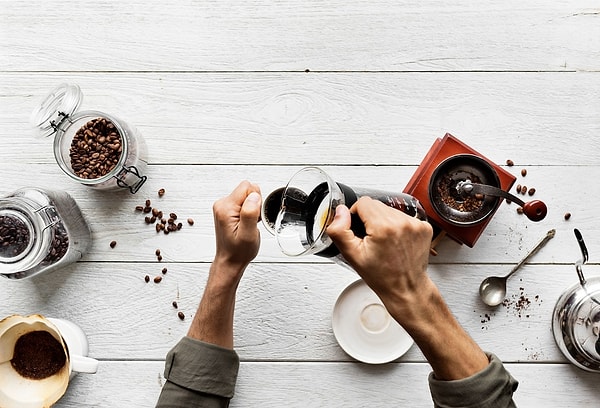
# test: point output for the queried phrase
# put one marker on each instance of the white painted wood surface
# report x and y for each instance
(220, 93)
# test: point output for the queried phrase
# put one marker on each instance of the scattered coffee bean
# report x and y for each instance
(157, 252)
(157, 279)
(159, 258)
(567, 215)
(113, 244)
(523, 190)
(95, 149)
(173, 215)
(164, 271)
(179, 226)
(148, 220)
(139, 208)
(148, 203)
(510, 163)
(166, 231)
(175, 304)
(190, 221)
(147, 209)
(152, 220)
(159, 215)
(181, 315)
(531, 191)
(147, 278)
(155, 212)
(520, 210)
(161, 192)
(523, 172)
(171, 220)
(518, 188)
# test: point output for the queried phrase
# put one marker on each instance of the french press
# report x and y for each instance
(576, 318)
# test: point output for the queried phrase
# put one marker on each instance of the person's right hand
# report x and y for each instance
(392, 258)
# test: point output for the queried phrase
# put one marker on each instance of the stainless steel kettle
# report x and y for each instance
(576, 318)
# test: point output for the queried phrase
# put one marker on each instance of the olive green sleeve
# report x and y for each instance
(493, 387)
(198, 374)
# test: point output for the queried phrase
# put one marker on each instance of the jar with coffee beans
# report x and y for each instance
(40, 230)
(94, 148)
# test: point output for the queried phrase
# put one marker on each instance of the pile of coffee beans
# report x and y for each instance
(466, 203)
(38, 355)
(95, 149)
(59, 247)
(158, 218)
(14, 236)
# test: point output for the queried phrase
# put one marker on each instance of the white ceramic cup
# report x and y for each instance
(17, 391)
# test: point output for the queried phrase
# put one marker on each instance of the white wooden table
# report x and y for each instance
(232, 90)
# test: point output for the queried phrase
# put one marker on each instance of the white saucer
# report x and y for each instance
(364, 329)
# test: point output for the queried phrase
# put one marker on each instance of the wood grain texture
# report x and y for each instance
(332, 35)
(332, 384)
(220, 92)
(332, 118)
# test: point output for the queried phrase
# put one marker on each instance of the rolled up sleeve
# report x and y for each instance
(199, 374)
(493, 387)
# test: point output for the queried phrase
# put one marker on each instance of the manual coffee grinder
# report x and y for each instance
(460, 190)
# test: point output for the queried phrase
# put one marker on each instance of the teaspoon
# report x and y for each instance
(493, 289)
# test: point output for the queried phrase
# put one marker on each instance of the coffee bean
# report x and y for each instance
(164, 271)
(139, 208)
(161, 192)
(518, 188)
(158, 227)
(159, 258)
(159, 214)
(155, 212)
(531, 191)
(567, 215)
(157, 252)
(179, 226)
(173, 215)
(147, 209)
(113, 244)
(523, 190)
(157, 279)
(175, 305)
(148, 220)
(181, 315)
(523, 172)
(520, 210)
(95, 149)
(148, 203)
(147, 278)
(190, 221)
(510, 163)
(152, 220)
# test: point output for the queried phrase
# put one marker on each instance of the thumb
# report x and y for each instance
(340, 233)
(249, 214)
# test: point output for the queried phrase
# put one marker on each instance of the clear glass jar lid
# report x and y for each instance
(61, 102)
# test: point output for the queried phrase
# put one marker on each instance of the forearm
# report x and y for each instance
(213, 322)
(450, 351)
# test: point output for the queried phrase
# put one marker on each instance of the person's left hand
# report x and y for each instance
(236, 231)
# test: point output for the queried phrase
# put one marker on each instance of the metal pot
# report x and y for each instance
(576, 319)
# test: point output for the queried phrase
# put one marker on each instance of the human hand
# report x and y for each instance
(392, 257)
(237, 235)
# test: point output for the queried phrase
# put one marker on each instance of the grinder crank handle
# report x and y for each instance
(535, 210)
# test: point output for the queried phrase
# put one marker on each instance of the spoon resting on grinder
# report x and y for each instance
(535, 210)
(493, 289)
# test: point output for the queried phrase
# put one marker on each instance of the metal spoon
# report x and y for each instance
(493, 289)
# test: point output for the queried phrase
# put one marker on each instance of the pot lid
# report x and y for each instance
(61, 102)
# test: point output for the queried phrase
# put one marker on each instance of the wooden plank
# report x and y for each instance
(332, 384)
(191, 191)
(283, 311)
(329, 35)
(348, 118)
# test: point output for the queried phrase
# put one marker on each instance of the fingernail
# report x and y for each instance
(253, 197)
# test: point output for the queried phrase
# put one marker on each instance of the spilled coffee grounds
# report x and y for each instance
(38, 355)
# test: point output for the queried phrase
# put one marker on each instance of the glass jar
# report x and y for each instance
(93, 148)
(40, 231)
